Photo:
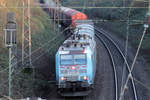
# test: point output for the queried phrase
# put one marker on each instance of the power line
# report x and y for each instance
(111, 7)
(126, 48)
(41, 46)
(136, 55)
(113, 20)
(38, 56)
(141, 83)
(4, 70)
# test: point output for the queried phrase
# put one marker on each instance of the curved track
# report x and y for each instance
(71, 98)
(117, 61)
(113, 65)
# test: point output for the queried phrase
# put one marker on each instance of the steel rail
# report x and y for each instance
(113, 64)
(101, 31)
(74, 98)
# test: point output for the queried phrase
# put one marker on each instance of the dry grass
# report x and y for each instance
(16, 6)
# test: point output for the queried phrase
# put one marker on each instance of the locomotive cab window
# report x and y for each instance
(77, 59)
(66, 60)
(80, 59)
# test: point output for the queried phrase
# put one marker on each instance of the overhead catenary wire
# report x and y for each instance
(133, 64)
(27, 56)
(110, 7)
(137, 52)
(45, 52)
(50, 40)
(141, 83)
(125, 62)
(1, 71)
(126, 46)
(120, 20)
(37, 50)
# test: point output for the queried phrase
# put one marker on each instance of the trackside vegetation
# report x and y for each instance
(118, 17)
(45, 42)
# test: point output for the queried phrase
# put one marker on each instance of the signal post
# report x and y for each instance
(10, 43)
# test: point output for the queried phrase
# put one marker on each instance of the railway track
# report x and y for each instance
(73, 98)
(118, 60)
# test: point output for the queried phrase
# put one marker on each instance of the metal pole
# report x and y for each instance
(23, 35)
(10, 43)
(29, 22)
(84, 6)
(55, 14)
(10, 73)
(146, 25)
(26, 34)
(59, 9)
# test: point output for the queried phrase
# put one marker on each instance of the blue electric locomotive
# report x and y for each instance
(75, 61)
(76, 57)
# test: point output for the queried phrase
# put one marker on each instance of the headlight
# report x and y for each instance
(62, 78)
(84, 78)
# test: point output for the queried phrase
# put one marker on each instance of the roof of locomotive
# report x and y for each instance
(84, 27)
(83, 37)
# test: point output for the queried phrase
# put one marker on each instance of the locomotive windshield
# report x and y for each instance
(78, 59)
(66, 60)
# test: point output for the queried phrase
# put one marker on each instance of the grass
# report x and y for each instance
(42, 30)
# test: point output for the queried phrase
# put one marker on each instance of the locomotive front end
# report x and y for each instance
(73, 72)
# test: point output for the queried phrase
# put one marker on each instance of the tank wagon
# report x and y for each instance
(76, 57)
(67, 16)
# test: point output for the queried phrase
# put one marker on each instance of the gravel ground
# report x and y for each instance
(104, 83)
(141, 75)
(104, 80)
